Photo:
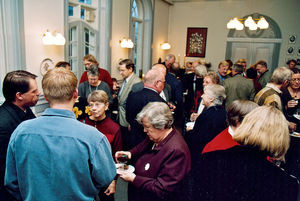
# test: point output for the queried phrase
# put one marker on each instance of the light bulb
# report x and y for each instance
(249, 21)
(230, 24)
(253, 27)
(59, 39)
(48, 38)
(239, 26)
(165, 46)
(262, 23)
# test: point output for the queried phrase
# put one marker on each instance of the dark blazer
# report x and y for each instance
(207, 126)
(189, 81)
(11, 116)
(177, 96)
(265, 78)
(241, 173)
(167, 90)
(134, 104)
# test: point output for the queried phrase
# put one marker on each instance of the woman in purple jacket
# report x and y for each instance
(161, 161)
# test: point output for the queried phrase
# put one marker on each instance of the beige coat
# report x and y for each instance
(123, 97)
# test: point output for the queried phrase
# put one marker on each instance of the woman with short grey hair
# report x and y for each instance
(159, 115)
(214, 95)
(93, 83)
(161, 161)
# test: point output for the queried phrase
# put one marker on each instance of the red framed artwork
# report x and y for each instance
(196, 42)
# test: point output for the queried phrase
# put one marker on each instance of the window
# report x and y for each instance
(71, 10)
(85, 1)
(141, 34)
(82, 33)
(136, 35)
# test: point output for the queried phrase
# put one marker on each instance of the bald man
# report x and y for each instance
(154, 83)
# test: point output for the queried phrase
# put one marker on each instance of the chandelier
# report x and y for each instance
(251, 23)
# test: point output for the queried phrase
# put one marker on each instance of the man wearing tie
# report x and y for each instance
(126, 68)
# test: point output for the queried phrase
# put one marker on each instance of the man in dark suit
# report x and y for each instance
(21, 92)
(166, 93)
(194, 87)
(238, 87)
(153, 84)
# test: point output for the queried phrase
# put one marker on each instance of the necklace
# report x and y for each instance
(294, 94)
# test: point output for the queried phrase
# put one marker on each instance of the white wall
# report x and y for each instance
(120, 29)
(215, 14)
(38, 17)
(160, 30)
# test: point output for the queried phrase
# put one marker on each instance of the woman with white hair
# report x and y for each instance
(210, 122)
(243, 173)
(161, 161)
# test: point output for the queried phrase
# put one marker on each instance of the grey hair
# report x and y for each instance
(281, 74)
(93, 70)
(217, 92)
(158, 114)
(200, 70)
(238, 68)
(169, 57)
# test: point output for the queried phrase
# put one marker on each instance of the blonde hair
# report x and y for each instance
(91, 58)
(265, 128)
(98, 96)
(240, 61)
(225, 63)
(213, 76)
(59, 84)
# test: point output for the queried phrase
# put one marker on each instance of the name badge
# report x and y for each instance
(147, 166)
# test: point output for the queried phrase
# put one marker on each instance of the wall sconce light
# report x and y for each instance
(251, 23)
(126, 43)
(165, 46)
(53, 39)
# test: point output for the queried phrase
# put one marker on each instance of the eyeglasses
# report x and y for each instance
(295, 79)
(87, 64)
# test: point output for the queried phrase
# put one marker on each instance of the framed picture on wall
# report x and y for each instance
(196, 42)
(292, 38)
(290, 50)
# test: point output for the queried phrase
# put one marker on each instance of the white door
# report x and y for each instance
(253, 52)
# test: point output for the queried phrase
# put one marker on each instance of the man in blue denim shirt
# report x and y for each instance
(56, 157)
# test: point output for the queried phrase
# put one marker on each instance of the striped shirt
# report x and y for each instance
(270, 95)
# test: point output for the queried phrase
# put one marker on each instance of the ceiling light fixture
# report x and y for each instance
(251, 23)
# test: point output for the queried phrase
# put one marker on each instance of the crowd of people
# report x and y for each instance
(190, 133)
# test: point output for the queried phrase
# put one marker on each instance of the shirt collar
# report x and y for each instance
(230, 131)
(129, 77)
(273, 86)
(150, 89)
(59, 112)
